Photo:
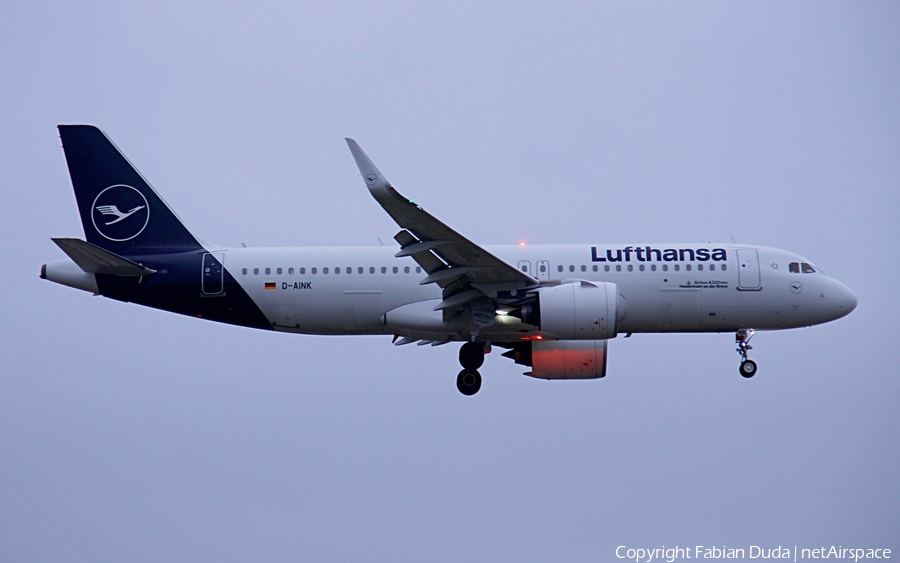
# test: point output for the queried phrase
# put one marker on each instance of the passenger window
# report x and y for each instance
(807, 269)
(712, 267)
(336, 270)
(303, 271)
(244, 271)
(677, 267)
(700, 267)
(383, 270)
(268, 271)
(641, 267)
(524, 268)
(290, 271)
(405, 269)
(665, 267)
(324, 270)
(278, 271)
(618, 267)
(794, 267)
(559, 268)
(313, 271)
(418, 270)
(595, 268)
(630, 268)
(584, 268)
(349, 270)
(371, 269)
(724, 267)
(396, 269)
(652, 267)
(255, 271)
(571, 268)
(688, 267)
(606, 268)
(543, 268)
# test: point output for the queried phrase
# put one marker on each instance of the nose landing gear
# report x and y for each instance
(742, 338)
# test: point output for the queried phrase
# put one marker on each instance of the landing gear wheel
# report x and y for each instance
(748, 368)
(742, 339)
(468, 382)
(471, 355)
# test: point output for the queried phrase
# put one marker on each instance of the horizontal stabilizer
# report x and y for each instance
(94, 260)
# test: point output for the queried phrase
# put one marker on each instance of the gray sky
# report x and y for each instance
(128, 434)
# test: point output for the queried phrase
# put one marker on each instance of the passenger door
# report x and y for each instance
(212, 273)
(748, 269)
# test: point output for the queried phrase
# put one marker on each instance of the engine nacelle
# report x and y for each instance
(579, 311)
(562, 359)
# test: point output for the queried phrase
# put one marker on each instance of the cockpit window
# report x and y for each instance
(804, 267)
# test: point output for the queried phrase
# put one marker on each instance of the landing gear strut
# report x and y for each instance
(742, 339)
(471, 357)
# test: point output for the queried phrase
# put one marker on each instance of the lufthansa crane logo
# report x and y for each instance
(120, 213)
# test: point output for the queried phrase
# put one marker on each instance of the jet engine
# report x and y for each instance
(562, 359)
(576, 311)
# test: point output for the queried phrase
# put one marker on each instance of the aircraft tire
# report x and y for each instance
(748, 368)
(471, 355)
(468, 382)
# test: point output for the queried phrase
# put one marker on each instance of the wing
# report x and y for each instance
(464, 270)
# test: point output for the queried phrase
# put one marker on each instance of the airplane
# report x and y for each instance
(553, 308)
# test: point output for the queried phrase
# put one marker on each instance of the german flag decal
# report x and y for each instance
(270, 285)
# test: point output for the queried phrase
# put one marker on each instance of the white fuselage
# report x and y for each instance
(352, 290)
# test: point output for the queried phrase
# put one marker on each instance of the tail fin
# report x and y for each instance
(120, 212)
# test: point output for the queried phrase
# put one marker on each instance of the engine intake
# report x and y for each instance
(576, 311)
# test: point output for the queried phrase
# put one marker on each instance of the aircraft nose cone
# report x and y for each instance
(845, 298)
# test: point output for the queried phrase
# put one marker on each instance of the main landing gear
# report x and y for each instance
(742, 338)
(471, 357)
